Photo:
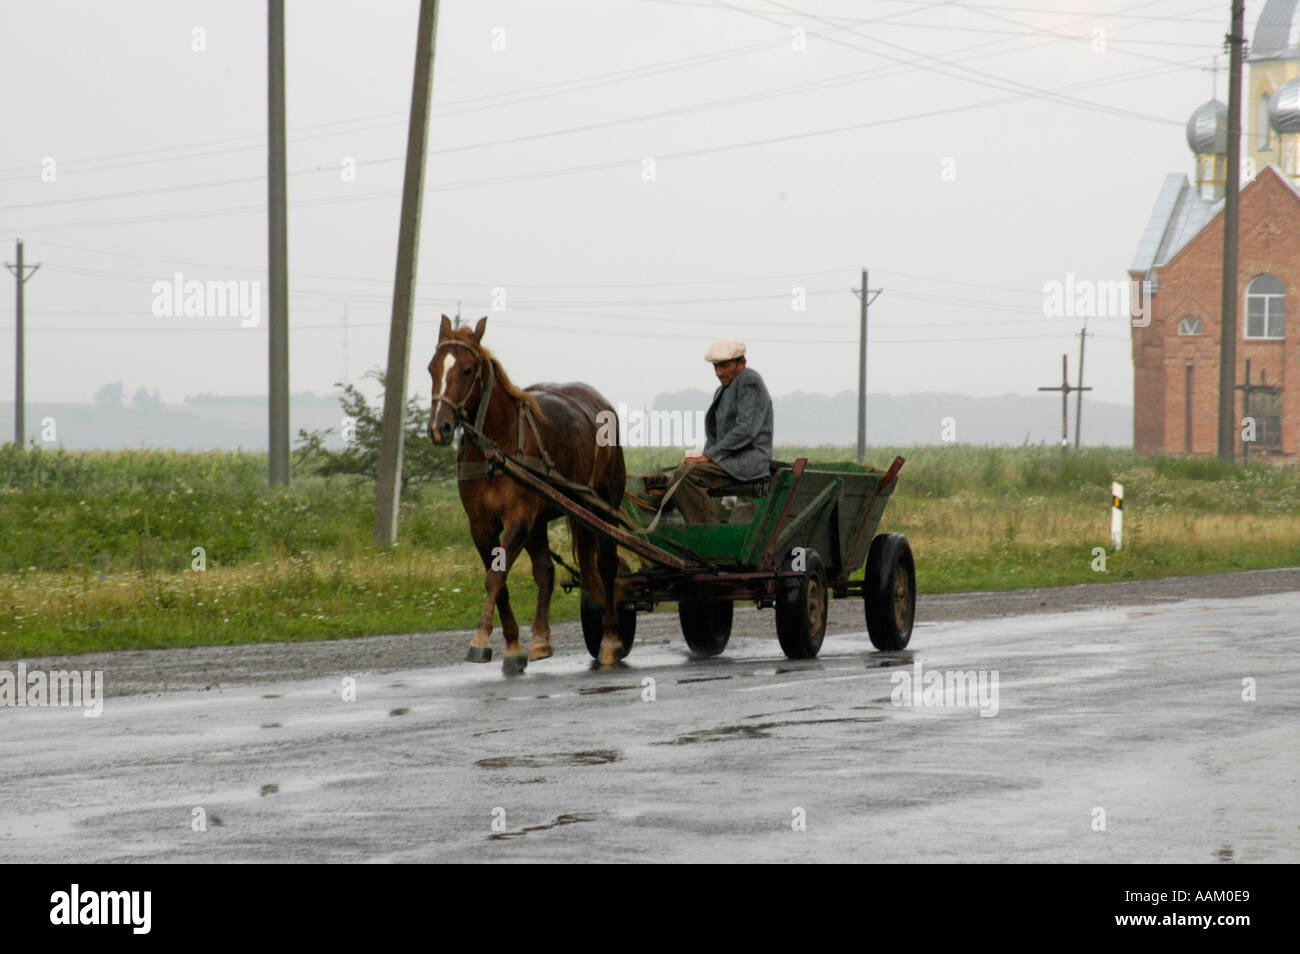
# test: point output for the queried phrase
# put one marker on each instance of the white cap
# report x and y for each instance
(728, 349)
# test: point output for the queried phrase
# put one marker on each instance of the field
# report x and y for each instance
(152, 549)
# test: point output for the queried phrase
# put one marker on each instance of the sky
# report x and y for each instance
(614, 183)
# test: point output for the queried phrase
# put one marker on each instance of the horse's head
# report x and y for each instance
(458, 368)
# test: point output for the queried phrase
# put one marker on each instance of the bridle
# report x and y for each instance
(485, 391)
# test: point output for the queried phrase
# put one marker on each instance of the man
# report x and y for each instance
(738, 427)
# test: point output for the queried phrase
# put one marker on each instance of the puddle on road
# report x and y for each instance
(590, 757)
(598, 690)
(727, 733)
(682, 682)
(572, 818)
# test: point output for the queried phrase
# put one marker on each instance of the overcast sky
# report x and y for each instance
(965, 152)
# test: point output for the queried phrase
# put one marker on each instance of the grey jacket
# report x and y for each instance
(739, 427)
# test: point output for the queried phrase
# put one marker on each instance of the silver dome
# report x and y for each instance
(1277, 33)
(1207, 130)
(1284, 107)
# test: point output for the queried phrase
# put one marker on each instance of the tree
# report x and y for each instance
(110, 395)
(422, 460)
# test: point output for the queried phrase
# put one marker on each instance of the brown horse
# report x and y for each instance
(550, 426)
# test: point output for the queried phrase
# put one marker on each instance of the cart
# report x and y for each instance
(802, 534)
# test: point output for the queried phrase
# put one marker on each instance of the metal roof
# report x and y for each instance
(1178, 215)
(1277, 33)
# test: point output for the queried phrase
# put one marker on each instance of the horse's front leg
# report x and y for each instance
(497, 559)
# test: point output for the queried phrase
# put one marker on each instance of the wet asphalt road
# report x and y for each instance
(1129, 716)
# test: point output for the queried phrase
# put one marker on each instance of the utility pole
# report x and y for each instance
(1065, 389)
(1078, 407)
(345, 344)
(278, 252)
(866, 296)
(1236, 40)
(388, 487)
(21, 275)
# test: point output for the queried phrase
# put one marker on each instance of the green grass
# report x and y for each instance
(97, 548)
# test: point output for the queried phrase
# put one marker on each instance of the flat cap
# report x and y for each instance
(728, 349)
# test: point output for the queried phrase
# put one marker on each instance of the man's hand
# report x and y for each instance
(696, 458)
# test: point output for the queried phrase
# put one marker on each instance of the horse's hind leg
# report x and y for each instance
(539, 551)
(598, 561)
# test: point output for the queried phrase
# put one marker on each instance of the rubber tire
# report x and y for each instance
(889, 592)
(802, 608)
(593, 625)
(706, 624)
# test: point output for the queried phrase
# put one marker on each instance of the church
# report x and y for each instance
(1180, 258)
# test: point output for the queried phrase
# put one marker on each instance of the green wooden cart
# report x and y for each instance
(800, 536)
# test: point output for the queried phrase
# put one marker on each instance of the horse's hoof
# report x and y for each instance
(479, 654)
(513, 665)
(536, 652)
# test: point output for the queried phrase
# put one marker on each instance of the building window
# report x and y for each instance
(1265, 307)
(1288, 163)
(1261, 122)
(1189, 326)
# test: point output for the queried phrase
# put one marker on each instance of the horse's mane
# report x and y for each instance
(503, 379)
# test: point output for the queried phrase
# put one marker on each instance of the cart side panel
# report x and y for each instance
(859, 527)
(816, 534)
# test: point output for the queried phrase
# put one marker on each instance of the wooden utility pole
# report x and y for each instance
(867, 296)
(1236, 40)
(21, 275)
(1078, 406)
(277, 253)
(1065, 388)
(388, 487)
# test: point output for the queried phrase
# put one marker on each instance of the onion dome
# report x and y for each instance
(1284, 107)
(1277, 32)
(1207, 130)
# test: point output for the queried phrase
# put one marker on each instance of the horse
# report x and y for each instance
(552, 427)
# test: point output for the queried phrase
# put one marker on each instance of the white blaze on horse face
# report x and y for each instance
(448, 360)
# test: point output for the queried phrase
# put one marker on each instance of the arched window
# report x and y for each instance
(1265, 307)
(1189, 326)
(1261, 121)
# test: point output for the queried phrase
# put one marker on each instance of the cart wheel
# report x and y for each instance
(706, 624)
(801, 608)
(593, 625)
(889, 591)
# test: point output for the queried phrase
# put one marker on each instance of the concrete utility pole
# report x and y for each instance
(278, 252)
(21, 275)
(1078, 406)
(1065, 389)
(1236, 40)
(388, 487)
(867, 296)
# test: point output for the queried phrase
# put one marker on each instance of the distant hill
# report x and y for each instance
(1010, 419)
(229, 422)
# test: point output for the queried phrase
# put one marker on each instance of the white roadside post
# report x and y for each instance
(1116, 516)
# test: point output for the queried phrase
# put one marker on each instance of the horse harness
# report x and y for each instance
(481, 469)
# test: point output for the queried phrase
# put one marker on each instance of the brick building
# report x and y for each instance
(1176, 356)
